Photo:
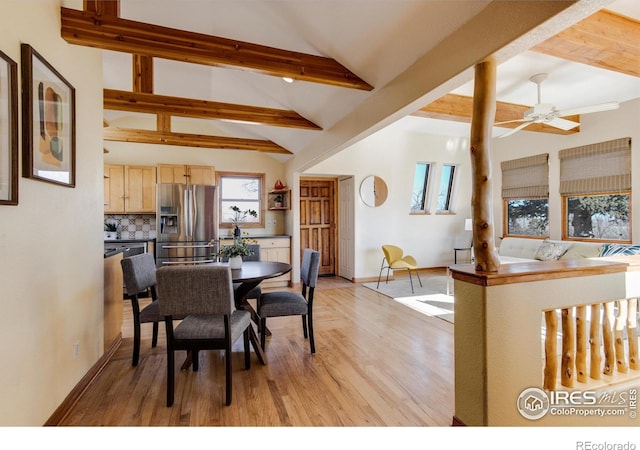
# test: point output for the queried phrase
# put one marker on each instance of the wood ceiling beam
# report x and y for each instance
(142, 66)
(202, 109)
(605, 39)
(459, 108)
(191, 140)
(108, 32)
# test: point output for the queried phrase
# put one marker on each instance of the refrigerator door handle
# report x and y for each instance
(188, 200)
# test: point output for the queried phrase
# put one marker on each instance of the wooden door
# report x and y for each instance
(317, 220)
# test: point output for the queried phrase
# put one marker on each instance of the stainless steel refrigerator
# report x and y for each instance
(186, 229)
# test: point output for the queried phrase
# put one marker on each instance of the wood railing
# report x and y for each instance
(606, 350)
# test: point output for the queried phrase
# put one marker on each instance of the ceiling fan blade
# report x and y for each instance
(516, 129)
(497, 124)
(588, 109)
(563, 124)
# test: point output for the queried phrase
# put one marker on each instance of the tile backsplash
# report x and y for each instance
(133, 226)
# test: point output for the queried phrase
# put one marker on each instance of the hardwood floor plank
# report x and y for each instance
(377, 363)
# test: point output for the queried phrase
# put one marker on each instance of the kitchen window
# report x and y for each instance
(244, 191)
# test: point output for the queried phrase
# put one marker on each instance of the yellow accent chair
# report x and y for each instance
(394, 259)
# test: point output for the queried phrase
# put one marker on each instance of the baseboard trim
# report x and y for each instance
(76, 393)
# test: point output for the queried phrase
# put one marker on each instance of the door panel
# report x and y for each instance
(317, 220)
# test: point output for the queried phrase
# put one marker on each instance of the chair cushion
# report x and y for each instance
(150, 313)
(285, 303)
(212, 327)
(256, 292)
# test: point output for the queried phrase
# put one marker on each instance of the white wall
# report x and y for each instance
(51, 269)
(595, 127)
(392, 154)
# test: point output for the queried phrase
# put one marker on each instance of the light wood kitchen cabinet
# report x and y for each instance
(129, 189)
(184, 174)
(276, 249)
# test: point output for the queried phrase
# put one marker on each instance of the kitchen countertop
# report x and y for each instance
(112, 252)
(124, 241)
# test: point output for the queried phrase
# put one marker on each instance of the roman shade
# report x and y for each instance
(526, 178)
(596, 168)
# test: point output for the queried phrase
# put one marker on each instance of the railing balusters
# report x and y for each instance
(550, 350)
(568, 348)
(620, 322)
(581, 343)
(607, 337)
(632, 333)
(608, 322)
(595, 343)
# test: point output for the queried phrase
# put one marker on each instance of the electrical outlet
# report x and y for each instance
(76, 350)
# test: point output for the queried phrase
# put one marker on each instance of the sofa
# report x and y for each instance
(515, 249)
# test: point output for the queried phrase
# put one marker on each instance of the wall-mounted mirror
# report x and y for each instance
(373, 191)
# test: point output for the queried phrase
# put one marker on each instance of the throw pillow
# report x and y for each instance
(620, 250)
(551, 251)
(579, 250)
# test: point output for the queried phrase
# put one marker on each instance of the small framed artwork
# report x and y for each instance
(8, 131)
(48, 122)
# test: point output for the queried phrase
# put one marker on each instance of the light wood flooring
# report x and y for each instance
(377, 363)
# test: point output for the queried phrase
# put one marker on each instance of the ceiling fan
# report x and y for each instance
(547, 113)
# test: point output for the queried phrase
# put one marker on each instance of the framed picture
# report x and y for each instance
(48, 122)
(8, 131)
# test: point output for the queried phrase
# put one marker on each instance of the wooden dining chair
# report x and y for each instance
(204, 296)
(286, 303)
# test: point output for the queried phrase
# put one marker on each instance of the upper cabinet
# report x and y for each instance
(182, 174)
(129, 189)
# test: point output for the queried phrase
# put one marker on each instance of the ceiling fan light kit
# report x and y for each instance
(548, 114)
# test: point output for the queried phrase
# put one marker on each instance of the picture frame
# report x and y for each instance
(48, 122)
(8, 130)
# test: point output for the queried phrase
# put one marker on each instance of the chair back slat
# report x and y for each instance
(139, 272)
(197, 290)
(310, 267)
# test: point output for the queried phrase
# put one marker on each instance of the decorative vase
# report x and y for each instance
(235, 262)
(237, 232)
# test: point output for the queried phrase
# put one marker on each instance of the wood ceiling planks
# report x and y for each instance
(604, 39)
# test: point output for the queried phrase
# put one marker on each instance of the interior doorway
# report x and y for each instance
(318, 220)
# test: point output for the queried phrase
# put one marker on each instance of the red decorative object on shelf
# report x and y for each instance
(279, 185)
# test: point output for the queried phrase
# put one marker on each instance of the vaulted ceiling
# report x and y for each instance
(210, 73)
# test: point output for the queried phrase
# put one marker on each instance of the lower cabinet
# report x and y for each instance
(276, 249)
(272, 249)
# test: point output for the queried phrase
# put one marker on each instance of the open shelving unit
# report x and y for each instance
(279, 199)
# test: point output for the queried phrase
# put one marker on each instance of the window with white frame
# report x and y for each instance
(525, 193)
(243, 191)
(595, 185)
(445, 189)
(420, 188)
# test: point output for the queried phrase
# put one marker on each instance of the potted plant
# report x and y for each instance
(239, 217)
(235, 251)
(110, 230)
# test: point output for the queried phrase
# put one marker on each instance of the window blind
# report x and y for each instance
(526, 178)
(596, 168)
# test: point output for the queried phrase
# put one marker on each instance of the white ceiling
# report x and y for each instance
(377, 40)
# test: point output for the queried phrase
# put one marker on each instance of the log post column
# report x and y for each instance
(484, 108)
